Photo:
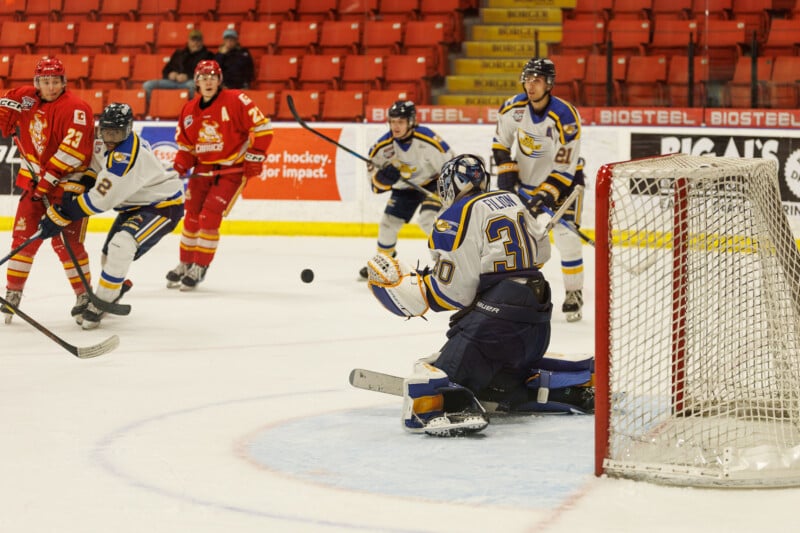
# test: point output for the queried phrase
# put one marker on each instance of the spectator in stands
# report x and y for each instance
(178, 73)
(236, 62)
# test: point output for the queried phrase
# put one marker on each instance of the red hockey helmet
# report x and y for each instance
(206, 67)
(49, 66)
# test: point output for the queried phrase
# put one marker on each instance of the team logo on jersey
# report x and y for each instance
(28, 102)
(517, 114)
(209, 139)
(529, 145)
(187, 121)
(442, 225)
(120, 157)
(79, 117)
(37, 129)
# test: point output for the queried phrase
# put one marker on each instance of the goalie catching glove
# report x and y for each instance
(398, 287)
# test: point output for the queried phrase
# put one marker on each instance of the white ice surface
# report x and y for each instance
(228, 410)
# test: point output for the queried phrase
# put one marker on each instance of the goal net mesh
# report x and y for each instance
(703, 303)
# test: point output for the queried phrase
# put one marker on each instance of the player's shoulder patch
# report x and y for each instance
(515, 102)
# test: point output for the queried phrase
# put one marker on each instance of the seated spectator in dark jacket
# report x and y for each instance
(235, 61)
(179, 72)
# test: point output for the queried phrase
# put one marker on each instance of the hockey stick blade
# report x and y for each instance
(109, 307)
(81, 352)
(303, 123)
(220, 172)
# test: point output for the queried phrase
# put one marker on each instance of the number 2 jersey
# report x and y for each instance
(488, 233)
(129, 177)
(545, 144)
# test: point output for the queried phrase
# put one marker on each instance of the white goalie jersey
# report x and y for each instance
(488, 233)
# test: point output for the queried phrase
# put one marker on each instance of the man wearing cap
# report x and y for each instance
(178, 73)
(236, 61)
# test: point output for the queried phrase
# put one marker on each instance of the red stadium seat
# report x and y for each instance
(166, 104)
(408, 73)
(95, 37)
(723, 42)
(56, 38)
(585, 36)
(631, 9)
(136, 37)
(119, 10)
(340, 37)
(5, 71)
(258, 37)
(783, 87)
(172, 34)
(363, 72)
(782, 38)
(212, 32)
(39, 10)
(298, 37)
(755, 14)
(646, 82)
(425, 37)
(111, 71)
(571, 71)
(307, 103)
(133, 97)
(96, 98)
(266, 100)
(672, 36)
(449, 12)
(18, 37)
(197, 10)
(277, 72)
(739, 89)
(77, 67)
(237, 10)
(671, 9)
(382, 37)
(148, 67)
(629, 36)
(12, 10)
(713, 9)
(357, 10)
(590, 10)
(158, 10)
(77, 10)
(22, 68)
(276, 10)
(320, 72)
(594, 89)
(402, 10)
(386, 97)
(343, 105)
(678, 81)
(316, 10)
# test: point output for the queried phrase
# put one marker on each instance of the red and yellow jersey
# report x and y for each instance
(221, 131)
(57, 136)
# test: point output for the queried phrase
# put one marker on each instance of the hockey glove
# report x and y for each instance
(10, 111)
(508, 176)
(388, 175)
(43, 186)
(52, 222)
(535, 202)
(253, 164)
(183, 163)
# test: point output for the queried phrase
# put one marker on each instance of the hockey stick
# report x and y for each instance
(567, 224)
(16, 250)
(221, 172)
(81, 352)
(296, 115)
(110, 307)
(577, 190)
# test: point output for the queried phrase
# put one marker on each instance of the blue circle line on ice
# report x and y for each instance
(103, 455)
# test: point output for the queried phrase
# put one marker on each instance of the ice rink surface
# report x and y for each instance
(228, 410)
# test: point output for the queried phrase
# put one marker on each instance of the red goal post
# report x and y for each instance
(697, 324)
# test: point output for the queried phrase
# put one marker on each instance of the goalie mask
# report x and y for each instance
(115, 124)
(461, 175)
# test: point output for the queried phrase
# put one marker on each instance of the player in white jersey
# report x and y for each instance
(408, 152)
(537, 147)
(130, 179)
(487, 247)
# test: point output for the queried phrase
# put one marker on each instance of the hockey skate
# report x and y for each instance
(91, 316)
(175, 275)
(13, 297)
(81, 303)
(193, 277)
(572, 306)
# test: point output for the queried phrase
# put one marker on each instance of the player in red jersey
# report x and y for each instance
(223, 133)
(56, 132)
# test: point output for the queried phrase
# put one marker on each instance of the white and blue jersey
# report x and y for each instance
(419, 158)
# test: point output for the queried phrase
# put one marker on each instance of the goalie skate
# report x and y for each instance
(456, 424)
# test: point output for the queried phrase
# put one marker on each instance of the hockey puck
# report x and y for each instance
(307, 275)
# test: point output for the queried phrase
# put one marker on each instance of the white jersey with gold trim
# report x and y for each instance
(419, 159)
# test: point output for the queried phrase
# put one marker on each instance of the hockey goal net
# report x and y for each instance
(698, 324)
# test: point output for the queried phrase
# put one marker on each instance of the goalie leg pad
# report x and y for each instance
(433, 405)
(559, 392)
(396, 286)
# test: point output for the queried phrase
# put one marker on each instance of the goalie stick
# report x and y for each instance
(109, 307)
(81, 352)
(303, 123)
